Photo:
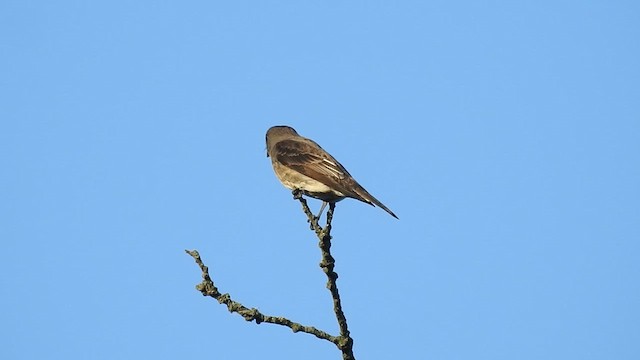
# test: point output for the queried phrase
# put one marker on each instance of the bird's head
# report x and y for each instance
(276, 133)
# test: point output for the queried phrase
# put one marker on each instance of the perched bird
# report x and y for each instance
(301, 164)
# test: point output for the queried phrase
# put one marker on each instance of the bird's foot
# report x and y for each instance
(297, 194)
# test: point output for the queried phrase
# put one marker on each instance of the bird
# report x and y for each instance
(303, 166)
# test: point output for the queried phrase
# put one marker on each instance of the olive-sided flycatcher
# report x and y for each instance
(301, 164)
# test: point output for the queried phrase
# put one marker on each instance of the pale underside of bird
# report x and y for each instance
(302, 165)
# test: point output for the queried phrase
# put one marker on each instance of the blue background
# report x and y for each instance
(505, 135)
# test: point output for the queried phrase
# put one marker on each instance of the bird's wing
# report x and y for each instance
(308, 158)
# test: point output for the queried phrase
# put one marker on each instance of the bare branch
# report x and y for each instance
(344, 342)
(208, 288)
(327, 264)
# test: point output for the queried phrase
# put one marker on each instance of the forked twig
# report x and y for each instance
(344, 342)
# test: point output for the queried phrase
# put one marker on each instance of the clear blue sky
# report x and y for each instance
(505, 135)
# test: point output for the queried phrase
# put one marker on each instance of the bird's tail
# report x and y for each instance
(364, 196)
